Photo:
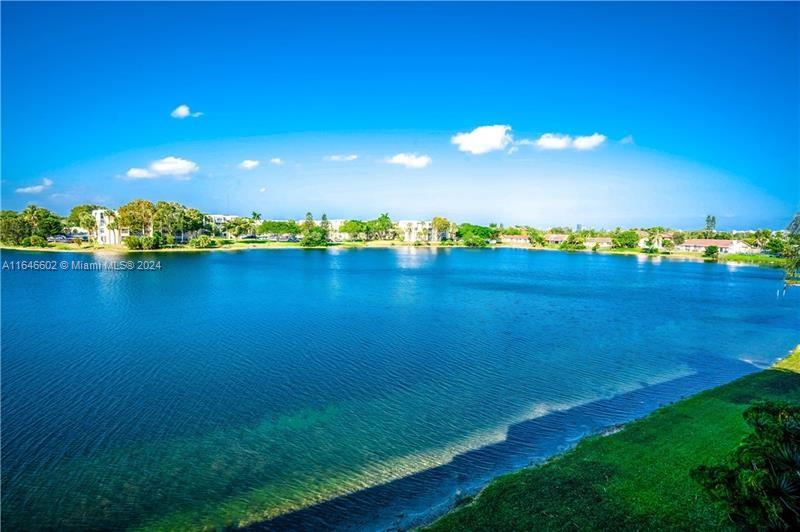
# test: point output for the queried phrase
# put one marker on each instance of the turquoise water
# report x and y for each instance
(229, 388)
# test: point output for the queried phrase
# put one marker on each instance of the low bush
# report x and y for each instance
(203, 242)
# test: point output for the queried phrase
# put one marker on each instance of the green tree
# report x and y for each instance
(315, 237)
(137, 217)
(308, 223)
(442, 227)
(325, 225)
(654, 239)
(624, 239)
(13, 228)
(382, 227)
(467, 229)
(711, 252)
(536, 237)
(255, 216)
(355, 228)
(76, 214)
(574, 242)
(88, 222)
(239, 227)
(678, 238)
(711, 223)
(759, 483)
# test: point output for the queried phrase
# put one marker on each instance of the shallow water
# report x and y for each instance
(233, 387)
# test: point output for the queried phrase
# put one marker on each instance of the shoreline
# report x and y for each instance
(754, 260)
(449, 520)
(421, 499)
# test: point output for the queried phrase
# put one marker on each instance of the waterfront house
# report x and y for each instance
(515, 240)
(699, 245)
(555, 238)
(645, 241)
(602, 242)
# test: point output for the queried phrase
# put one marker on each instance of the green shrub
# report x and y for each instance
(711, 252)
(474, 241)
(133, 242)
(760, 481)
(26, 241)
(77, 241)
(38, 241)
(574, 242)
(203, 242)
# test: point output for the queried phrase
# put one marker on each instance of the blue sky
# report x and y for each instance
(605, 114)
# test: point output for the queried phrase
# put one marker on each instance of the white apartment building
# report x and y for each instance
(106, 235)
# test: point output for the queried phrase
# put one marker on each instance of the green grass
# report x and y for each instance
(765, 260)
(635, 479)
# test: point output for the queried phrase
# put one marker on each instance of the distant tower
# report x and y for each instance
(578, 228)
(794, 225)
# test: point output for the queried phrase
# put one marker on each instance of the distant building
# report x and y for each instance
(334, 230)
(416, 231)
(699, 245)
(218, 221)
(556, 238)
(602, 242)
(515, 240)
(658, 242)
(106, 235)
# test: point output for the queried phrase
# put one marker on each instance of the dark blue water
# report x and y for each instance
(333, 388)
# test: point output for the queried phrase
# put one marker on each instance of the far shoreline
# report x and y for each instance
(752, 260)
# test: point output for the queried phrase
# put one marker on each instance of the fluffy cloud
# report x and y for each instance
(276, 160)
(249, 164)
(553, 141)
(36, 189)
(588, 142)
(410, 160)
(262, 189)
(341, 158)
(168, 166)
(560, 141)
(183, 111)
(483, 139)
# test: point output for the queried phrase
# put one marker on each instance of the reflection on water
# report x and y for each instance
(229, 388)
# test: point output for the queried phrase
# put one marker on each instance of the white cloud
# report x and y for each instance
(36, 189)
(168, 166)
(553, 141)
(183, 111)
(483, 139)
(262, 189)
(588, 142)
(341, 158)
(140, 173)
(410, 160)
(627, 139)
(276, 160)
(249, 164)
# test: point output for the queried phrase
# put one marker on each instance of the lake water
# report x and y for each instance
(344, 388)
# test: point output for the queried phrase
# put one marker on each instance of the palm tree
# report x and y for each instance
(256, 216)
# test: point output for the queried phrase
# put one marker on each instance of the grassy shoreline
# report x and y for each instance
(636, 478)
(756, 260)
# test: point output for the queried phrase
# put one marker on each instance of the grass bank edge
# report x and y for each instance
(636, 477)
